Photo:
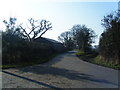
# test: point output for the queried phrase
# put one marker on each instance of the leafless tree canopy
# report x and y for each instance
(36, 28)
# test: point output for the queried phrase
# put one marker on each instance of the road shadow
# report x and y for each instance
(72, 75)
(34, 81)
(69, 74)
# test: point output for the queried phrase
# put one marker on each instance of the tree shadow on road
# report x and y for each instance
(69, 74)
(72, 75)
(34, 81)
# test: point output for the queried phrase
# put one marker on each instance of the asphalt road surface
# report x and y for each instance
(64, 71)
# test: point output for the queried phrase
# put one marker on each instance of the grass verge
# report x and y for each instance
(98, 61)
(95, 59)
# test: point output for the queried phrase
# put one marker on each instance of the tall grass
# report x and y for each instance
(106, 63)
(96, 59)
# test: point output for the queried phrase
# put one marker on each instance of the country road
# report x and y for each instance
(64, 71)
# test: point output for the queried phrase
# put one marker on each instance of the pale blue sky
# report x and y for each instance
(63, 15)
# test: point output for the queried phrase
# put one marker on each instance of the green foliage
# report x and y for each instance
(12, 28)
(22, 64)
(109, 50)
(80, 53)
(66, 39)
(110, 39)
(18, 50)
(80, 36)
(86, 56)
(96, 59)
(83, 37)
(106, 63)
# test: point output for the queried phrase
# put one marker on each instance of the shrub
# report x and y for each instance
(17, 50)
(80, 53)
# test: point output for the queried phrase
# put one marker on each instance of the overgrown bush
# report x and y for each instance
(80, 53)
(17, 50)
(110, 39)
(19, 46)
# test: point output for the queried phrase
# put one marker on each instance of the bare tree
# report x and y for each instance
(36, 28)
